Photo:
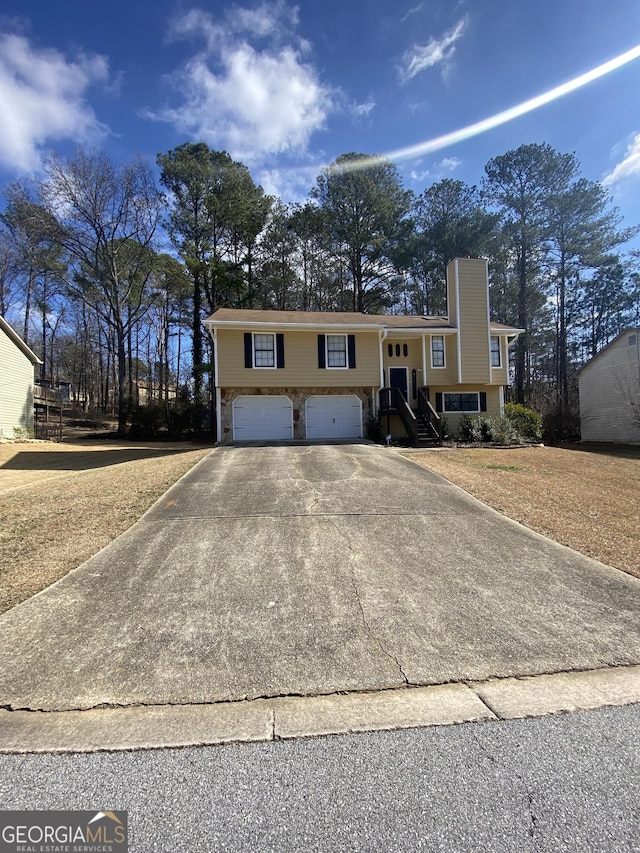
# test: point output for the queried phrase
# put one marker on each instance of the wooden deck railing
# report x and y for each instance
(51, 431)
(46, 396)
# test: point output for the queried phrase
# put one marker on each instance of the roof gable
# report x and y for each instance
(630, 330)
(17, 340)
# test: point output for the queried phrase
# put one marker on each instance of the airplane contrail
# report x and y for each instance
(503, 117)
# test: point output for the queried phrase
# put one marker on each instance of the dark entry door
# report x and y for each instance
(398, 379)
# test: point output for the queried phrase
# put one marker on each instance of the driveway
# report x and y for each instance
(300, 570)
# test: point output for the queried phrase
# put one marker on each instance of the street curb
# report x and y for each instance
(260, 720)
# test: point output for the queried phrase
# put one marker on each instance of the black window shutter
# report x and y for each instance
(438, 401)
(321, 352)
(279, 350)
(483, 401)
(248, 349)
(351, 348)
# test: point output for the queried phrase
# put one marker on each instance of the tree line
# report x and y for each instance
(110, 272)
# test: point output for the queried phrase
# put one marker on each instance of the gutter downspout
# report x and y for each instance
(383, 336)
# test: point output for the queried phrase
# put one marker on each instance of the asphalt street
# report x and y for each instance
(546, 785)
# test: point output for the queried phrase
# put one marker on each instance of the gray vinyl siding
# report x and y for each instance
(606, 385)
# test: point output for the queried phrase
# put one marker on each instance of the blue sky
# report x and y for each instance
(286, 88)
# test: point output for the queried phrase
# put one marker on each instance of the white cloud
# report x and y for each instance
(449, 164)
(436, 172)
(275, 20)
(43, 99)
(251, 100)
(413, 11)
(628, 167)
(290, 185)
(436, 51)
(366, 108)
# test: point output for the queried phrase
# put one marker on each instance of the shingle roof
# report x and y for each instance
(244, 316)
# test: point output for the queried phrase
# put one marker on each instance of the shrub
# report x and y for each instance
(488, 430)
(147, 421)
(373, 427)
(506, 433)
(469, 429)
(20, 434)
(524, 421)
(560, 426)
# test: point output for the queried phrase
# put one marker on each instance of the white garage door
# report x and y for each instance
(334, 416)
(265, 418)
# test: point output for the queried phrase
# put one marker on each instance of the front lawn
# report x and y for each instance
(584, 496)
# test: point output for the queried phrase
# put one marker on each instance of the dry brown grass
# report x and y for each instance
(586, 497)
(62, 503)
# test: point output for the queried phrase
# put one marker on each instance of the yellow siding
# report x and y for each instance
(16, 388)
(449, 373)
(473, 321)
(301, 363)
(499, 375)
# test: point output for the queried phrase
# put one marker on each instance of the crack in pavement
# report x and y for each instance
(533, 818)
(368, 628)
(483, 749)
(474, 687)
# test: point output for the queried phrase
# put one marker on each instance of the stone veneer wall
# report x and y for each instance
(298, 396)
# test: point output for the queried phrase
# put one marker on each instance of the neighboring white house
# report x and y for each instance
(609, 387)
(16, 382)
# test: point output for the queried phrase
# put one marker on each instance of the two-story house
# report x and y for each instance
(316, 375)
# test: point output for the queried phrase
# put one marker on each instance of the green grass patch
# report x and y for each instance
(502, 467)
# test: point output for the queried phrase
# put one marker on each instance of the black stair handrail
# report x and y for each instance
(392, 399)
(429, 415)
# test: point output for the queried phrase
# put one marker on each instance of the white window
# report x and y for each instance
(264, 350)
(496, 358)
(461, 402)
(437, 350)
(336, 350)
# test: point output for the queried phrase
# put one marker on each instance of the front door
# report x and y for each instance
(398, 378)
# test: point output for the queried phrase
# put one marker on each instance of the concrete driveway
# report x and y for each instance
(301, 570)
